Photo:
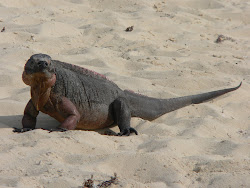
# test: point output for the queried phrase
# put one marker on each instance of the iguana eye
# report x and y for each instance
(30, 62)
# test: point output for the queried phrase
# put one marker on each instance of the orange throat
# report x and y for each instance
(40, 87)
(40, 96)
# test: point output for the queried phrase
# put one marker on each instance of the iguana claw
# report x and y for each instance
(126, 132)
(59, 129)
(22, 130)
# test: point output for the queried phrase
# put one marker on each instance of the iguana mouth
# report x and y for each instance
(47, 77)
(28, 70)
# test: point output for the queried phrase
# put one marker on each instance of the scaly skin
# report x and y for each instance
(82, 99)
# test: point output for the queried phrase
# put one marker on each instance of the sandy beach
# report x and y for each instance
(176, 48)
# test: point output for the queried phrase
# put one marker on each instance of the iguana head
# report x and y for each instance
(40, 75)
(38, 70)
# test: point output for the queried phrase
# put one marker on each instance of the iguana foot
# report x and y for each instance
(123, 116)
(126, 132)
(22, 130)
(58, 129)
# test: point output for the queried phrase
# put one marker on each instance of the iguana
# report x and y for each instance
(83, 99)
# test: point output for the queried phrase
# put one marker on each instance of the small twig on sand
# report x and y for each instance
(129, 29)
(222, 38)
(105, 184)
(3, 29)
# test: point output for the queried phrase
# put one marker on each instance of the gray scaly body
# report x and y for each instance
(82, 99)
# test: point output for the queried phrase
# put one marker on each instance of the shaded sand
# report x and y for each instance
(171, 52)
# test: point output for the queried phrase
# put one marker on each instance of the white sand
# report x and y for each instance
(171, 52)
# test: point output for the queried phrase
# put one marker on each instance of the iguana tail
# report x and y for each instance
(151, 108)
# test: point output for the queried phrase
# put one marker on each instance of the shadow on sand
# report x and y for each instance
(43, 121)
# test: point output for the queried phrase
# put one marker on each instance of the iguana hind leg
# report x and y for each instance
(123, 116)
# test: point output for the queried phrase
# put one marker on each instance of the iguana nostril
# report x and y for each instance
(42, 64)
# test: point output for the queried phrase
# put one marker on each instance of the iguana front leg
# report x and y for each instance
(67, 109)
(29, 118)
